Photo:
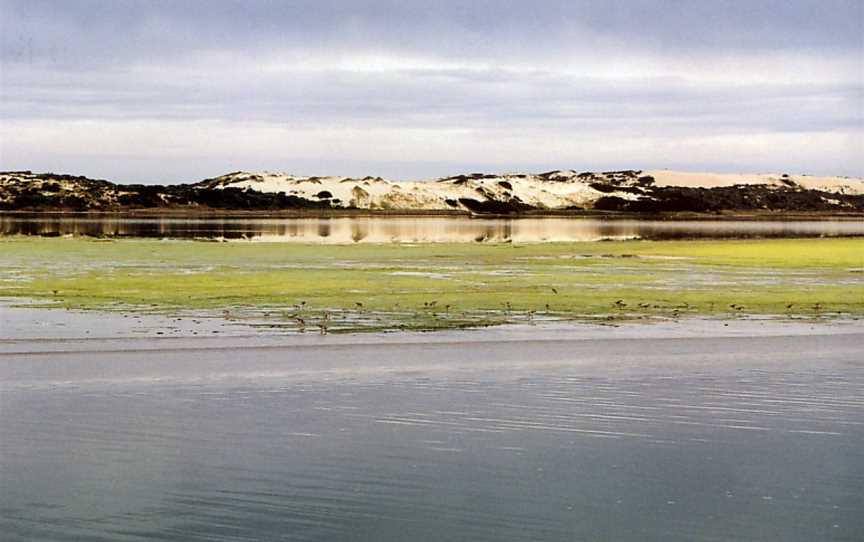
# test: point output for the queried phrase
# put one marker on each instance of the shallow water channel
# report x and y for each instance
(420, 229)
(688, 439)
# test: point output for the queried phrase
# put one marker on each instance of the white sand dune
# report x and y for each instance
(475, 192)
(556, 190)
(552, 190)
(840, 185)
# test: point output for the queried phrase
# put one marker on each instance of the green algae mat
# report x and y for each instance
(365, 287)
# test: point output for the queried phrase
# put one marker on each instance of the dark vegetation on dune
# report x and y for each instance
(732, 198)
(745, 197)
(99, 195)
(495, 207)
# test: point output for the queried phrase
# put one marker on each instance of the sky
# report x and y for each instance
(177, 91)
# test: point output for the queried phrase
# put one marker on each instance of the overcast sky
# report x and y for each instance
(151, 91)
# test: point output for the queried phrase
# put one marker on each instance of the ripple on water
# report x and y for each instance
(557, 453)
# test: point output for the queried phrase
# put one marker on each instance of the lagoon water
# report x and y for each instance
(700, 439)
(507, 438)
(384, 229)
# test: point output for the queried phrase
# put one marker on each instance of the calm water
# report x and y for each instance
(419, 229)
(675, 440)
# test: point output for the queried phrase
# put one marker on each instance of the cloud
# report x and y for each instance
(88, 32)
(209, 148)
(373, 84)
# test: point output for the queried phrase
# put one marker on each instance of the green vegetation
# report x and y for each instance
(432, 286)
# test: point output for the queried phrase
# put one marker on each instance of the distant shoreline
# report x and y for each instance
(568, 193)
(376, 213)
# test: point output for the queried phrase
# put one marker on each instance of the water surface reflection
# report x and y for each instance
(425, 229)
(694, 440)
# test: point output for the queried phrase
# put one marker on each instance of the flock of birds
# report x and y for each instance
(324, 321)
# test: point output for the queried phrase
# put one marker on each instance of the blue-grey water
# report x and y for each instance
(734, 438)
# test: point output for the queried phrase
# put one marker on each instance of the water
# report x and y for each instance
(419, 229)
(740, 439)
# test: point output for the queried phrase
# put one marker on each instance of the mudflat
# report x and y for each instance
(313, 288)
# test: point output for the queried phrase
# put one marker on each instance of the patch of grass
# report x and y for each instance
(434, 286)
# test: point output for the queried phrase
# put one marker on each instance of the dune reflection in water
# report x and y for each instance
(419, 229)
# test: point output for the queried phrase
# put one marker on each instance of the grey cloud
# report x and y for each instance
(76, 33)
(495, 67)
(450, 98)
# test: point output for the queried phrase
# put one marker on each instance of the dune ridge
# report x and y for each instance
(478, 193)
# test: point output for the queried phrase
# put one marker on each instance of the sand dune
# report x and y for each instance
(551, 190)
(478, 193)
(841, 185)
